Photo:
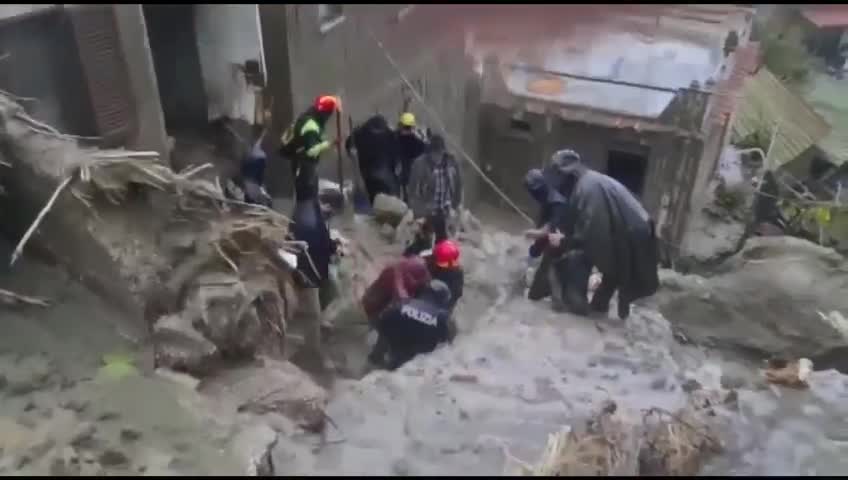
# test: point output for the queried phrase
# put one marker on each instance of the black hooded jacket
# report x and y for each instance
(606, 221)
(551, 206)
(376, 149)
(309, 226)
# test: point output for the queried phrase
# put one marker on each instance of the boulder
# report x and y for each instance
(272, 387)
(773, 298)
(388, 209)
(177, 345)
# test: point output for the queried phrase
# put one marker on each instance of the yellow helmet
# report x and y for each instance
(407, 119)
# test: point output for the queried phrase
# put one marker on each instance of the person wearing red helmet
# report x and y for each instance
(303, 141)
(444, 265)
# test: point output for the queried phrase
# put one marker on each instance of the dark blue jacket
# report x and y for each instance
(309, 226)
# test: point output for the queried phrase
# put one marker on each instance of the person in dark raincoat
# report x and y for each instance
(308, 226)
(253, 175)
(551, 205)
(376, 151)
(603, 226)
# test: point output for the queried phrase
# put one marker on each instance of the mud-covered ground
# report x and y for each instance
(516, 373)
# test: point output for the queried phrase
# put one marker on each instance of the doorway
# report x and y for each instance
(628, 168)
(173, 45)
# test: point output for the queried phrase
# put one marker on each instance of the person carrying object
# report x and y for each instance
(605, 226)
(414, 326)
(303, 141)
(444, 266)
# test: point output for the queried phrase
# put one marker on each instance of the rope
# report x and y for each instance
(435, 116)
(458, 147)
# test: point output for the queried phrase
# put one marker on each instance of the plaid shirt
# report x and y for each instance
(441, 187)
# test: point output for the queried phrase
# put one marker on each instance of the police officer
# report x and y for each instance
(414, 326)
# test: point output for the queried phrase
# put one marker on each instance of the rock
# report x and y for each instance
(83, 434)
(275, 386)
(129, 434)
(179, 346)
(774, 298)
(406, 230)
(113, 458)
(388, 209)
(690, 385)
(108, 416)
(659, 383)
(254, 445)
(732, 382)
(76, 405)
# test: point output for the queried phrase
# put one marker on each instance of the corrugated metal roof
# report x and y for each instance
(824, 16)
(829, 97)
(765, 100)
(662, 61)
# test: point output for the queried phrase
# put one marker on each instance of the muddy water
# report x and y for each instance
(516, 373)
(59, 417)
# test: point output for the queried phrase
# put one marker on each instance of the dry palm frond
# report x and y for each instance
(608, 445)
(676, 444)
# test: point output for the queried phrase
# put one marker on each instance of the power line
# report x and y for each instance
(435, 116)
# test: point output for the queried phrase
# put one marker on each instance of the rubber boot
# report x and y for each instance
(603, 295)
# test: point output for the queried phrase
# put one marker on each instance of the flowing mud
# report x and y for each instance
(516, 373)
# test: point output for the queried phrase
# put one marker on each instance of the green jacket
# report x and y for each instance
(305, 137)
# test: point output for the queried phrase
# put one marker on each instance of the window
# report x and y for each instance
(519, 125)
(329, 15)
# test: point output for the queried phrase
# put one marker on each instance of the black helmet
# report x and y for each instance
(564, 158)
(438, 292)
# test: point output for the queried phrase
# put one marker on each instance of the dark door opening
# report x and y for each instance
(173, 45)
(628, 168)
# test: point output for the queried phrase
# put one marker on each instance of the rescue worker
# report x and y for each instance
(398, 281)
(444, 266)
(303, 142)
(414, 326)
(551, 206)
(411, 144)
(604, 226)
(435, 189)
(313, 264)
(375, 149)
(253, 175)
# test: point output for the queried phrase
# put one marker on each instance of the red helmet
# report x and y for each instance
(446, 253)
(328, 104)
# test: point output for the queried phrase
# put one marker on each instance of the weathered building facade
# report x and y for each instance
(638, 102)
(345, 50)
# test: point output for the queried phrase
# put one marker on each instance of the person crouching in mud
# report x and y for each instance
(604, 226)
(444, 266)
(551, 205)
(414, 326)
(398, 281)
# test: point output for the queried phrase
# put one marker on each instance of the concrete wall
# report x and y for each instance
(43, 65)
(227, 36)
(344, 59)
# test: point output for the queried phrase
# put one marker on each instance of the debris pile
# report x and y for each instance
(611, 443)
(213, 279)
